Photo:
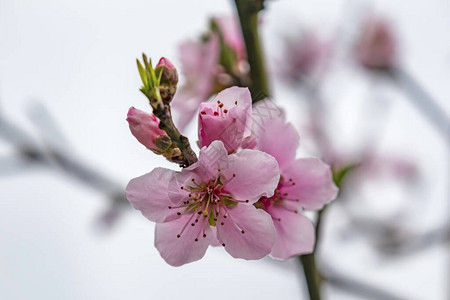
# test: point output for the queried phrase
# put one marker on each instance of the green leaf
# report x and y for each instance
(340, 174)
(142, 72)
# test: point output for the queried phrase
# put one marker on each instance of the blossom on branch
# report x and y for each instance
(209, 203)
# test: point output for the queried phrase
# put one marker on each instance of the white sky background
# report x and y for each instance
(78, 58)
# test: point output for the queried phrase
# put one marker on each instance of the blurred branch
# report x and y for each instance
(357, 287)
(52, 155)
(248, 15)
(400, 245)
(423, 101)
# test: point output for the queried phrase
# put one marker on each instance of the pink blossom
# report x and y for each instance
(208, 203)
(376, 47)
(304, 56)
(227, 118)
(144, 127)
(231, 30)
(305, 183)
(203, 74)
(198, 63)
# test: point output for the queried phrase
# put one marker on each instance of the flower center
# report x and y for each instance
(280, 198)
(206, 203)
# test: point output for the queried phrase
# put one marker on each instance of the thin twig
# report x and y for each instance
(422, 100)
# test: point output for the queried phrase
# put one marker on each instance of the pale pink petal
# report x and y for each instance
(149, 194)
(211, 159)
(312, 183)
(178, 251)
(227, 130)
(251, 174)
(230, 96)
(247, 232)
(231, 29)
(185, 105)
(295, 232)
(279, 139)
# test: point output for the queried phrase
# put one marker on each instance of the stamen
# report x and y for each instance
(288, 208)
(206, 211)
(233, 221)
(185, 225)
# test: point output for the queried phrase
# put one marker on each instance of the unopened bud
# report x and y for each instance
(169, 79)
(145, 128)
(376, 48)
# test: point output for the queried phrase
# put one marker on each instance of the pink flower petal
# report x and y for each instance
(295, 233)
(211, 159)
(231, 30)
(259, 232)
(256, 175)
(278, 139)
(312, 183)
(149, 194)
(178, 251)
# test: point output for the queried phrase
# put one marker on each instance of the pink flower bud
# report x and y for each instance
(144, 127)
(165, 63)
(376, 48)
(170, 74)
(169, 79)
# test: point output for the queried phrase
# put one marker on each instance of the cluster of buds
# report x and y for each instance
(156, 131)
(159, 83)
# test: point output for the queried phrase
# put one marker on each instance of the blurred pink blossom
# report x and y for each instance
(231, 30)
(198, 64)
(209, 203)
(303, 56)
(376, 47)
(203, 72)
